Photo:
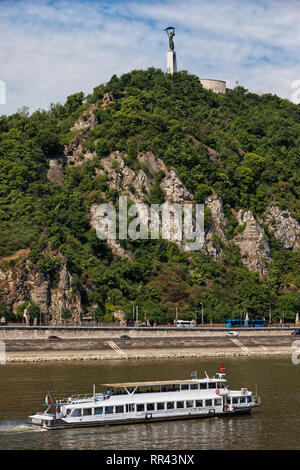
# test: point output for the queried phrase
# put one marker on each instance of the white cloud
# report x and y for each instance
(53, 49)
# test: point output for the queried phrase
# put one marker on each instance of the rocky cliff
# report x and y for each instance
(285, 228)
(23, 282)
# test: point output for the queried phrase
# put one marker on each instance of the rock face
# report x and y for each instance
(64, 297)
(174, 189)
(284, 226)
(74, 151)
(253, 243)
(87, 120)
(107, 97)
(114, 245)
(137, 185)
(55, 172)
(24, 283)
(214, 235)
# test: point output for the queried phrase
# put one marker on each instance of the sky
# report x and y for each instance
(50, 49)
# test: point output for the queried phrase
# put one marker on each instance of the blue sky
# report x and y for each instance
(51, 49)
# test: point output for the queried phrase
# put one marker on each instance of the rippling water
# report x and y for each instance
(275, 425)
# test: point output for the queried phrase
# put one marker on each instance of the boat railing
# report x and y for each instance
(80, 398)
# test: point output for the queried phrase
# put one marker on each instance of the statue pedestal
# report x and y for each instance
(171, 62)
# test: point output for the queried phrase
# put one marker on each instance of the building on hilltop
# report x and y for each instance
(218, 86)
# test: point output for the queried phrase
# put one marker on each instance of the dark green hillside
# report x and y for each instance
(244, 147)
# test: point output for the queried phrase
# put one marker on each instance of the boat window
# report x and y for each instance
(120, 409)
(212, 385)
(199, 403)
(218, 401)
(208, 402)
(170, 405)
(194, 386)
(180, 404)
(184, 387)
(109, 410)
(203, 386)
(160, 406)
(189, 403)
(98, 411)
(170, 388)
(150, 406)
(140, 407)
(242, 399)
(87, 411)
(76, 412)
(129, 408)
(235, 400)
(249, 399)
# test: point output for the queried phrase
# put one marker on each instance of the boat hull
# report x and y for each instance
(149, 418)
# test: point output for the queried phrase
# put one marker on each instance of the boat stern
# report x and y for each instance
(43, 420)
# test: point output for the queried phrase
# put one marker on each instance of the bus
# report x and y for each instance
(185, 324)
(246, 323)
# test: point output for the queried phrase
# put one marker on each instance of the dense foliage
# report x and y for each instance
(243, 146)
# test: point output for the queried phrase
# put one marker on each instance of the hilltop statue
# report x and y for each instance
(171, 33)
(171, 54)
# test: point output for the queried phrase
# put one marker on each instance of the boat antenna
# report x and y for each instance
(94, 391)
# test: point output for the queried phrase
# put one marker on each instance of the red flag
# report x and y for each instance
(47, 400)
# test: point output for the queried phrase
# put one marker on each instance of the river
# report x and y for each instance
(274, 425)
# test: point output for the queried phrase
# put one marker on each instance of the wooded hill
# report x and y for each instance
(238, 149)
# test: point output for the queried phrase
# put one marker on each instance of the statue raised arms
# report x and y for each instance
(171, 33)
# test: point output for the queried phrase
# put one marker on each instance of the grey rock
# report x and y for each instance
(284, 226)
(253, 243)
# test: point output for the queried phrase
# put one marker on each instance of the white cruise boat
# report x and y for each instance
(141, 402)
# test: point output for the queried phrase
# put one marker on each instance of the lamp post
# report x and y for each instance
(202, 318)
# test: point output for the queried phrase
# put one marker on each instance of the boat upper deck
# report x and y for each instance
(154, 397)
(167, 382)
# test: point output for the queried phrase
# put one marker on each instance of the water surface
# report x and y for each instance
(275, 425)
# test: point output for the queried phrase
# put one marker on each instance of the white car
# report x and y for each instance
(232, 333)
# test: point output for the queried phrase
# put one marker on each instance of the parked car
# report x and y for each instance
(54, 338)
(125, 337)
(296, 332)
(232, 333)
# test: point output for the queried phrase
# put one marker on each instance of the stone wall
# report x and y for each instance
(117, 332)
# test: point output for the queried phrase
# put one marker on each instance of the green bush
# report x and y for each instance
(102, 149)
